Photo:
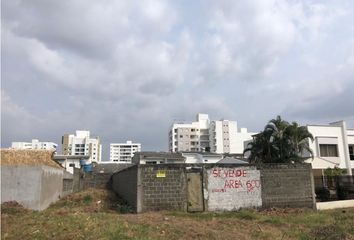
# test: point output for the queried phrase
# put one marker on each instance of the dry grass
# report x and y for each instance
(97, 214)
(17, 157)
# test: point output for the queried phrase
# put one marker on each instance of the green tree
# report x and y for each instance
(280, 142)
(298, 137)
(260, 149)
(277, 130)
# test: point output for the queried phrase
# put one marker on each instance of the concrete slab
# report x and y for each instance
(335, 204)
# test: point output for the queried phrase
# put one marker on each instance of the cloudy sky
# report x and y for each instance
(128, 69)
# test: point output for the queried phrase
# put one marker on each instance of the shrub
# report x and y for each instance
(88, 198)
(323, 194)
(342, 193)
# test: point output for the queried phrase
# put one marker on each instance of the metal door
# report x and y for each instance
(195, 192)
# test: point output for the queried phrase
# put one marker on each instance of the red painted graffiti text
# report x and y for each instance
(234, 179)
(231, 173)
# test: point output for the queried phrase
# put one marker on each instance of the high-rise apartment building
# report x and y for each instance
(220, 136)
(82, 144)
(190, 136)
(223, 136)
(123, 152)
(34, 144)
(226, 138)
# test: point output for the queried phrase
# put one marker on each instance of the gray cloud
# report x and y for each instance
(127, 69)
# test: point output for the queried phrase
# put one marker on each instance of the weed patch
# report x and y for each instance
(87, 198)
(246, 214)
(13, 208)
(328, 232)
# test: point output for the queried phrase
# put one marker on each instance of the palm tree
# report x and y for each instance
(280, 142)
(299, 138)
(277, 128)
(260, 148)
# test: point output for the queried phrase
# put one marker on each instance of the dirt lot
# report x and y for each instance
(97, 214)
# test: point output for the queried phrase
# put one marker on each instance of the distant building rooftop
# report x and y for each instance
(64, 157)
(228, 160)
(110, 167)
(169, 155)
(202, 153)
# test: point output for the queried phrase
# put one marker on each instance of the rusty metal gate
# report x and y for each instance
(195, 191)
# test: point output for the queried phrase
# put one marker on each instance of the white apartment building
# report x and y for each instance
(216, 136)
(333, 146)
(123, 152)
(34, 144)
(190, 136)
(82, 144)
(225, 137)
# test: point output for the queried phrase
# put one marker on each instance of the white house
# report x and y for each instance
(82, 144)
(123, 152)
(69, 162)
(202, 157)
(157, 158)
(34, 144)
(333, 146)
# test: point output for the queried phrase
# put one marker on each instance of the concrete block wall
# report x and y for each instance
(96, 180)
(288, 185)
(125, 184)
(77, 180)
(162, 187)
(83, 180)
(226, 187)
(68, 183)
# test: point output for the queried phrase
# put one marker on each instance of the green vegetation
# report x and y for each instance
(99, 218)
(87, 198)
(280, 142)
(336, 171)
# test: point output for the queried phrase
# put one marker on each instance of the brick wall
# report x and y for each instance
(125, 184)
(287, 186)
(163, 191)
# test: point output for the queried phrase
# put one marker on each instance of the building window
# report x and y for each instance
(180, 136)
(328, 150)
(351, 152)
